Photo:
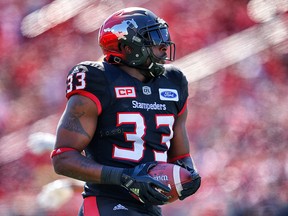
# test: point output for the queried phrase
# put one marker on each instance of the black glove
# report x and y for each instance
(191, 187)
(137, 182)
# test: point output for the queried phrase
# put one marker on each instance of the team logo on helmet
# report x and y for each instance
(121, 30)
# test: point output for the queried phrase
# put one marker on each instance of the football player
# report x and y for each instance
(123, 116)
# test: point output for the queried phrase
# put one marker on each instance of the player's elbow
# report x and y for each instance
(67, 163)
(64, 162)
(59, 165)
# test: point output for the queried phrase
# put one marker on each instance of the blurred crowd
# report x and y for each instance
(237, 123)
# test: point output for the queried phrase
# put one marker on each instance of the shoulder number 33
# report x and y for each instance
(136, 137)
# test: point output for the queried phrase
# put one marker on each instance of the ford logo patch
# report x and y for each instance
(168, 94)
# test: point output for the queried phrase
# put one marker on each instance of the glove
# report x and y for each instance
(137, 182)
(189, 188)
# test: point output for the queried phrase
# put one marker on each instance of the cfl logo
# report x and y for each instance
(125, 92)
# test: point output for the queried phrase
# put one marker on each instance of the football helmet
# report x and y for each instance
(140, 29)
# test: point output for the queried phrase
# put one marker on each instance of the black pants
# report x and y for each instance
(103, 206)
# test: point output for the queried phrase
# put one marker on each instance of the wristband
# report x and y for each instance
(111, 175)
(58, 151)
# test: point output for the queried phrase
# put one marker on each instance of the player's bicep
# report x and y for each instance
(77, 124)
(179, 143)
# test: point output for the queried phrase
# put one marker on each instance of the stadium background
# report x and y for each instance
(235, 55)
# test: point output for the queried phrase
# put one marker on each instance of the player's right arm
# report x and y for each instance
(74, 132)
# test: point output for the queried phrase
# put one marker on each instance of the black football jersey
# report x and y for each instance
(135, 123)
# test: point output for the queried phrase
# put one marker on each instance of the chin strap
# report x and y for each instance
(153, 70)
(156, 69)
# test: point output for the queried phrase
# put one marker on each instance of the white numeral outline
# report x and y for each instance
(81, 79)
(81, 82)
(136, 152)
(164, 121)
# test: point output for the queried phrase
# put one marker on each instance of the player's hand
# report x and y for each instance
(140, 184)
(191, 187)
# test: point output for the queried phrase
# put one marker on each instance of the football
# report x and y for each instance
(171, 175)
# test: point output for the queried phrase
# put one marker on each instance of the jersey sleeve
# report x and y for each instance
(178, 79)
(184, 93)
(87, 79)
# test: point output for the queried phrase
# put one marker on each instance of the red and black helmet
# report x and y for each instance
(140, 29)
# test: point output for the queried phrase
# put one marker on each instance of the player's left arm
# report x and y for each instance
(179, 153)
